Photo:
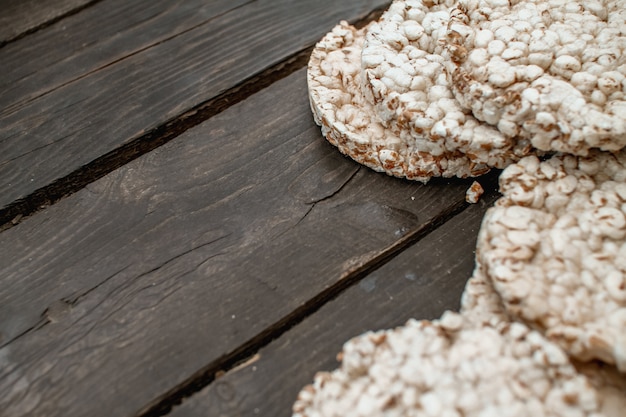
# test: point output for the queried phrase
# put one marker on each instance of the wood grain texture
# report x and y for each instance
(57, 133)
(122, 291)
(20, 17)
(99, 36)
(421, 283)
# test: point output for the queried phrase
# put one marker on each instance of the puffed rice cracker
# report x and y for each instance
(480, 303)
(554, 248)
(405, 79)
(552, 71)
(450, 368)
(349, 122)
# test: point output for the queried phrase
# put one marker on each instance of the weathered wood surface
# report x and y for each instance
(159, 270)
(422, 282)
(49, 136)
(72, 49)
(226, 243)
(17, 17)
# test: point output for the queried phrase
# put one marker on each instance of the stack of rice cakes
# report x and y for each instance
(443, 89)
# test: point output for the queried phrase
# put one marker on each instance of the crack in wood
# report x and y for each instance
(48, 23)
(202, 378)
(147, 142)
(69, 301)
(54, 142)
(313, 204)
(17, 211)
(52, 313)
(143, 144)
(338, 190)
(41, 323)
(18, 105)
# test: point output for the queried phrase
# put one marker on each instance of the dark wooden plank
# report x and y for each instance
(57, 133)
(421, 283)
(93, 39)
(115, 295)
(20, 17)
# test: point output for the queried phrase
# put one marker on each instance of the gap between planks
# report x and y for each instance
(157, 137)
(247, 351)
(46, 196)
(46, 23)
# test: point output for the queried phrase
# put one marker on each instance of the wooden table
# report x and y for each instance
(178, 238)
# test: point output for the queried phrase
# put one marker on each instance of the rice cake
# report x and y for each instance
(550, 71)
(554, 248)
(450, 367)
(349, 122)
(405, 79)
(480, 303)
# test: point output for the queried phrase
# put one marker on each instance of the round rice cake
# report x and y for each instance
(554, 248)
(349, 122)
(550, 71)
(405, 79)
(480, 303)
(450, 367)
